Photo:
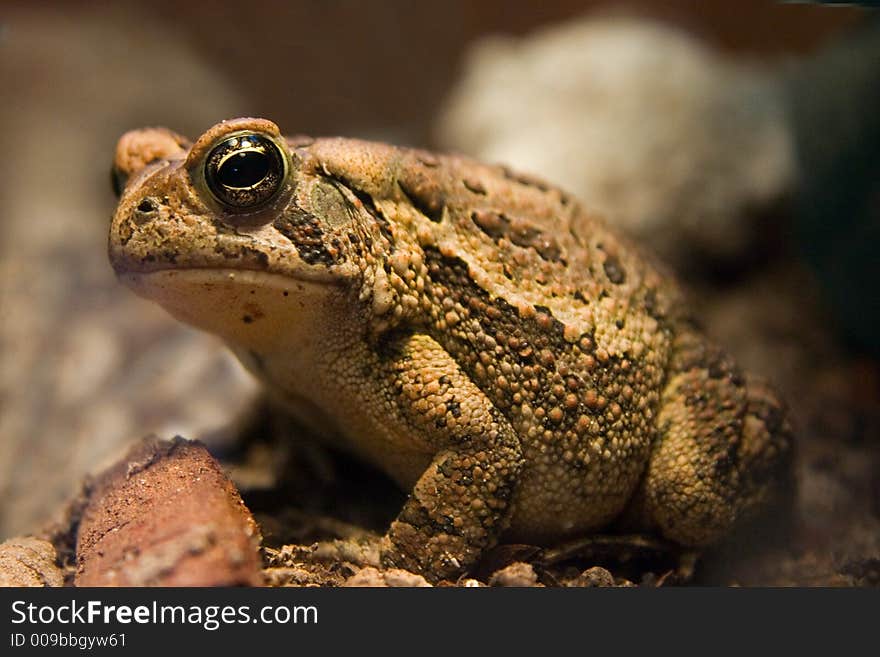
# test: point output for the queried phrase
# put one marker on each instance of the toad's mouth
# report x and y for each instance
(248, 308)
(207, 277)
(258, 271)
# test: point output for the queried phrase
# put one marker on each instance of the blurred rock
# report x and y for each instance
(166, 515)
(682, 148)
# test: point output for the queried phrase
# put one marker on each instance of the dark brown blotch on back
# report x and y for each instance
(428, 158)
(519, 232)
(525, 179)
(614, 270)
(475, 186)
(424, 193)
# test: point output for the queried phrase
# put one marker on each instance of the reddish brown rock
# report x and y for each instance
(167, 515)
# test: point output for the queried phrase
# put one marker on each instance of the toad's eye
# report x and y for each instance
(245, 171)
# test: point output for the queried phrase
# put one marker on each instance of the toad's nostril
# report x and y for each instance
(147, 205)
(145, 211)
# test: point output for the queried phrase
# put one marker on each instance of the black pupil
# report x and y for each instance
(244, 169)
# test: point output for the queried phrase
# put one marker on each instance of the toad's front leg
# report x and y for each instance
(461, 503)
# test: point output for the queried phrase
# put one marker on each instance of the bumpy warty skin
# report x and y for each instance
(525, 372)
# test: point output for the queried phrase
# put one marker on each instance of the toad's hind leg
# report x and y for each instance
(723, 448)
